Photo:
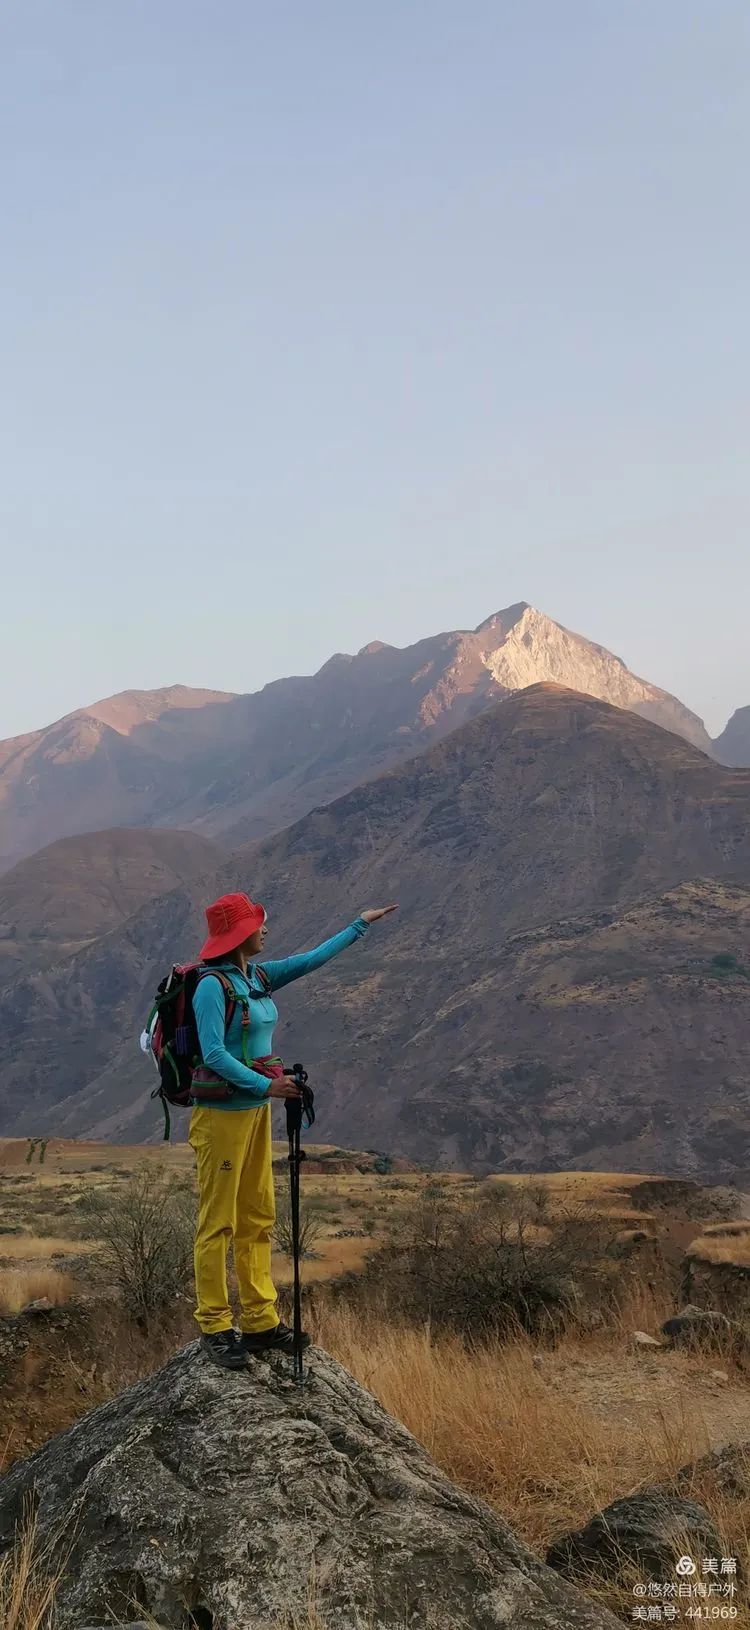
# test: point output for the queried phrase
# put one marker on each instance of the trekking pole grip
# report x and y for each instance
(293, 1115)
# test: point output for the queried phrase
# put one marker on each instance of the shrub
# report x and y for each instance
(484, 1264)
(383, 1165)
(146, 1230)
(725, 963)
(34, 1144)
(310, 1226)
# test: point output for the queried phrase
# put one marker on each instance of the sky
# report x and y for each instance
(332, 321)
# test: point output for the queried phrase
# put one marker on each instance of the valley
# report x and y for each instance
(565, 983)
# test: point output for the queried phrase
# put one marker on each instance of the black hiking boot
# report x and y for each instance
(225, 1348)
(279, 1339)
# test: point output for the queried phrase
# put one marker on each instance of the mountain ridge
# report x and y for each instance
(242, 766)
(433, 1039)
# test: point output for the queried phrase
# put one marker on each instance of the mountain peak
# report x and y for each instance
(504, 620)
(183, 757)
(127, 709)
(372, 649)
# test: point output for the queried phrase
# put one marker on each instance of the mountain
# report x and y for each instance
(80, 888)
(547, 994)
(245, 766)
(733, 745)
(122, 762)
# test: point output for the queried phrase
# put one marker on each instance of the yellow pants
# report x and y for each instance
(236, 1204)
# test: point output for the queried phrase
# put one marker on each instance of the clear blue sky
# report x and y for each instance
(334, 320)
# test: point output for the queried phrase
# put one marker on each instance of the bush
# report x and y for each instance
(725, 963)
(383, 1165)
(485, 1264)
(146, 1229)
(310, 1226)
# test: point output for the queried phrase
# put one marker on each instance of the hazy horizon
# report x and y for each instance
(336, 325)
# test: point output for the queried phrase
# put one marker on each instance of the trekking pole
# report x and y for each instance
(294, 1127)
(295, 1107)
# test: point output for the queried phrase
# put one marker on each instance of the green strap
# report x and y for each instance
(173, 1067)
(245, 1005)
(167, 1122)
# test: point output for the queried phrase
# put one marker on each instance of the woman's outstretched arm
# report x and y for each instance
(293, 967)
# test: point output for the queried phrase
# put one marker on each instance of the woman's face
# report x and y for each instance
(256, 941)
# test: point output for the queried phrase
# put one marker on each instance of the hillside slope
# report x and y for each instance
(72, 892)
(549, 807)
(245, 766)
(733, 745)
(126, 761)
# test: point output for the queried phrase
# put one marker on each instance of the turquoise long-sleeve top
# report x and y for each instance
(222, 1050)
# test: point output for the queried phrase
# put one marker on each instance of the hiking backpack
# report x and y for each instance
(171, 1037)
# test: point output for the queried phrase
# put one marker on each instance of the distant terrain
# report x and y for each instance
(241, 767)
(69, 894)
(733, 745)
(566, 976)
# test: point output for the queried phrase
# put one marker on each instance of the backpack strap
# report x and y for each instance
(230, 994)
(232, 1001)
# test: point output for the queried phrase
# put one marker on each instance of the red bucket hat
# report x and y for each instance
(231, 919)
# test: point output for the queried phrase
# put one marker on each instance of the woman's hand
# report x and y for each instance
(283, 1086)
(372, 916)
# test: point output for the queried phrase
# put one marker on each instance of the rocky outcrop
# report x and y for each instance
(650, 1530)
(697, 1327)
(727, 1469)
(690, 1199)
(721, 1285)
(238, 1497)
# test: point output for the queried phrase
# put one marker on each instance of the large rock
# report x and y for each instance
(727, 1467)
(649, 1530)
(236, 1494)
(697, 1327)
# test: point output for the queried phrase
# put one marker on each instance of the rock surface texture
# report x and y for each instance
(697, 1327)
(239, 1498)
(649, 1530)
(728, 1467)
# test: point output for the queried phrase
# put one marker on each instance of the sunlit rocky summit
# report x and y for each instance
(244, 766)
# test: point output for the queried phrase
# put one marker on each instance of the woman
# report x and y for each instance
(232, 1138)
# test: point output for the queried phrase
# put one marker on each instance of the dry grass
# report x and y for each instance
(333, 1257)
(733, 1249)
(33, 1247)
(492, 1420)
(28, 1585)
(18, 1288)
